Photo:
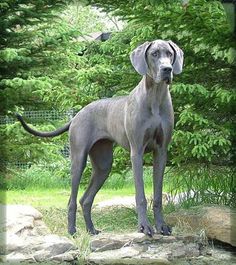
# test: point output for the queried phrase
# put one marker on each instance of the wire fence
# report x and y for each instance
(27, 165)
(46, 115)
(37, 115)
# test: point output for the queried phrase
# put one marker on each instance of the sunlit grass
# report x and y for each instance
(59, 197)
(53, 205)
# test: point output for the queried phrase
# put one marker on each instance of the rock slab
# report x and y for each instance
(28, 239)
(136, 248)
(218, 222)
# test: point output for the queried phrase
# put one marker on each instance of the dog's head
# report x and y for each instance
(159, 59)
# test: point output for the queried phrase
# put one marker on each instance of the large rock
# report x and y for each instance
(28, 239)
(136, 248)
(218, 222)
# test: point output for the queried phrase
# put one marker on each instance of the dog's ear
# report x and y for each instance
(178, 58)
(138, 58)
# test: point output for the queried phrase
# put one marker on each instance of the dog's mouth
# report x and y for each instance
(167, 80)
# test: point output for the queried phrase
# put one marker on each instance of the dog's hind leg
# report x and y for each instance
(78, 163)
(101, 159)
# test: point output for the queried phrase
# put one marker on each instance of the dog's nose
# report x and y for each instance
(167, 70)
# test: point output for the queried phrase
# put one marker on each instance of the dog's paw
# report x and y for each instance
(72, 231)
(93, 231)
(146, 228)
(163, 229)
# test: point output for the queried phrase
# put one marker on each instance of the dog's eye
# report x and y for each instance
(155, 54)
(169, 54)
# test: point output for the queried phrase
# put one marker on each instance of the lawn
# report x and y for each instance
(52, 203)
(59, 197)
(39, 198)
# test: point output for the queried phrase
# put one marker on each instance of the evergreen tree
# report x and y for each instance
(39, 69)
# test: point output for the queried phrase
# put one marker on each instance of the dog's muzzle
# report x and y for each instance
(166, 73)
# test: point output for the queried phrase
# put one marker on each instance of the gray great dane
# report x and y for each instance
(140, 122)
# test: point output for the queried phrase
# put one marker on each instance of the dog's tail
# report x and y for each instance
(43, 134)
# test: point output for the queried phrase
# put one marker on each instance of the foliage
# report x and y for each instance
(44, 55)
(39, 66)
(200, 184)
(23, 34)
(37, 176)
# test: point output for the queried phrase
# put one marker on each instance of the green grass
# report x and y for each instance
(39, 198)
(53, 205)
(37, 176)
(59, 178)
(60, 197)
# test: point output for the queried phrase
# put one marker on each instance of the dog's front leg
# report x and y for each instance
(159, 163)
(141, 202)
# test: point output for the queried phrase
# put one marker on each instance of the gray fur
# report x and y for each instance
(178, 64)
(138, 58)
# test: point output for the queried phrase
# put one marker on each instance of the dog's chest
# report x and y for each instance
(154, 133)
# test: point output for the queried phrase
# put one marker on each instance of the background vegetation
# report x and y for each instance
(46, 65)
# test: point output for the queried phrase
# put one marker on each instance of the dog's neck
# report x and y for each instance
(156, 93)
